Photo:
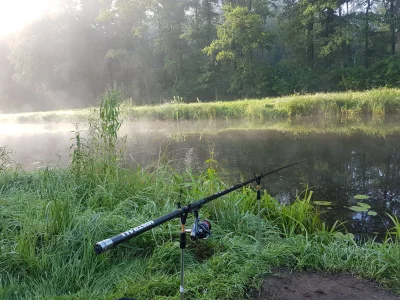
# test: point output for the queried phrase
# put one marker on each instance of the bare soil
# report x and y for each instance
(285, 285)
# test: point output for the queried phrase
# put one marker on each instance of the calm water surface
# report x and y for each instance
(342, 167)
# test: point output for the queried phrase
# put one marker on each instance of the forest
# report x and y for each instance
(198, 50)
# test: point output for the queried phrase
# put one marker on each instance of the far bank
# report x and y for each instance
(374, 104)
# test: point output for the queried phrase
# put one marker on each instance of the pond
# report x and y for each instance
(342, 166)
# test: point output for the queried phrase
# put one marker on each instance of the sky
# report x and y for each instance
(16, 14)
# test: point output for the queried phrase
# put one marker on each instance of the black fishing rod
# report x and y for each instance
(181, 212)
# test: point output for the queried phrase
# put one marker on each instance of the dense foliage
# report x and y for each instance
(199, 50)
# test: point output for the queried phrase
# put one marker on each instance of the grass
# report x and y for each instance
(51, 218)
(394, 232)
(377, 104)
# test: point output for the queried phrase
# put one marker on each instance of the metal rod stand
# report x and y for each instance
(182, 245)
(259, 208)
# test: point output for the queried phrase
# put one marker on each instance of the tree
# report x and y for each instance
(200, 74)
(237, 39)
(131, 50)
(392, 16)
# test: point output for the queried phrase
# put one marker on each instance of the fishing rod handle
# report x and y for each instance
(107, 244)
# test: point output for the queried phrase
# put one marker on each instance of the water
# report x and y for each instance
(342, 166)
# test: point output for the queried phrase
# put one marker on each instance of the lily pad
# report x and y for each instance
(346, 237)
(361, 197)
(323, 203)
(367, 206)
(338, 234)
(358, 208)
(372, 213)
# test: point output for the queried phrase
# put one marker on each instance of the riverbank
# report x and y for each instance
(289, 285)
(373, 104)
(47, 214)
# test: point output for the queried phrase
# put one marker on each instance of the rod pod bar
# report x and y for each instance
(107, 244)
(258, 191)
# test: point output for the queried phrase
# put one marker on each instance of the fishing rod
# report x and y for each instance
(200, 230)
(107, 244)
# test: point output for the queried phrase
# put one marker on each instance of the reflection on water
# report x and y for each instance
(342, 168)
(343, 165)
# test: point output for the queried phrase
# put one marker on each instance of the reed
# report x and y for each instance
(393, 232)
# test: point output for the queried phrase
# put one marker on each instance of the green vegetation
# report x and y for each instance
(5, 160)
(349, 105)
(102, 148)
(51, 218)
(375, 105)
(394, 232)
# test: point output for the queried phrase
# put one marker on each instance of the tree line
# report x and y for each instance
(199, 50)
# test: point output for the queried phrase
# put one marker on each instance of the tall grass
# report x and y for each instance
(100, 150)
(51, 218)
(394, 232)
(377, 104)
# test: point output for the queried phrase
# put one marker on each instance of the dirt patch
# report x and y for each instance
(284, 285)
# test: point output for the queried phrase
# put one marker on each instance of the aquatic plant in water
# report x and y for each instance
(5, 158)
(99, 150)
(362, 207)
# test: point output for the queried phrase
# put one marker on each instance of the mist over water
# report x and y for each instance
(48, 144)
(342, 168)
(37, 145)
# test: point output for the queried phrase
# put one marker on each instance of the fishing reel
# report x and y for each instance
(200, 230)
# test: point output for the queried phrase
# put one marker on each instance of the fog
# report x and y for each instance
(198, 50)
(36, 145)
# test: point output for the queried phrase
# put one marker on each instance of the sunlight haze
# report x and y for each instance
(16, 14)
